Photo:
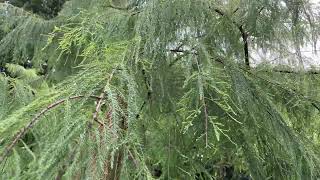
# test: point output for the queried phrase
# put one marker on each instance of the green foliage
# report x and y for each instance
(157, 89)
(46, 8)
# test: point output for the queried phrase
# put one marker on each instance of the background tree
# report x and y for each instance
(158, 89)
(46, 8)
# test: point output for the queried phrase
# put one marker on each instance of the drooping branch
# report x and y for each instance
(244, 36)
(34, 120)
(206, 115)
(292, 91)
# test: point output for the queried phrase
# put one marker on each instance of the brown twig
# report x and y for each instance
(98, 107)
(100, 101)
(23, 131)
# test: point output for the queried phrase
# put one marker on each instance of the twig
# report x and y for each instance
(23, 131)
(98, 107)
(133, 159)
(101, 97)
(185, 52)
(202, 98)
(147, 83)
(141, 108)
(206, 120)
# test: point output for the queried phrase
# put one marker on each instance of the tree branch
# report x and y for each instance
(221, 62)
(98, 107)
(36, 119)
(312, 102)
(100, 101)
(244, 36)
(294, 72)
(179, 50)
(291, 91)
(141, 108)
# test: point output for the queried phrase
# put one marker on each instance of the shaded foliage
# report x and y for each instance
(46, 8)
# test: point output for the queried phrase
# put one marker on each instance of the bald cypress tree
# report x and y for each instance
(144, 89)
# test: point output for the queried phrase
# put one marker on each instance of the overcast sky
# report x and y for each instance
(311, 59)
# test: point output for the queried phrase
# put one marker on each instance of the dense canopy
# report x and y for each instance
(144, 89)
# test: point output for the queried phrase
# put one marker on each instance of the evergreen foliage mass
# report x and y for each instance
(148, 89)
